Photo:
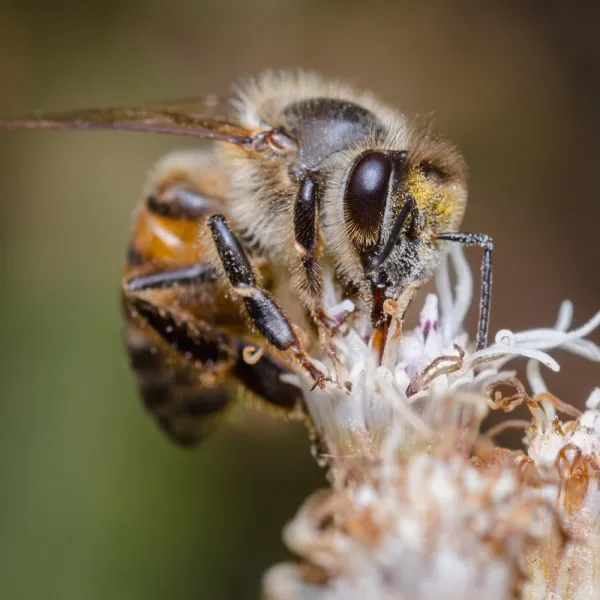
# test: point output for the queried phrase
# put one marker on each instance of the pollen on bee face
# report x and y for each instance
(443, 204)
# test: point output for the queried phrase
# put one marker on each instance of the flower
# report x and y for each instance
(422, 505)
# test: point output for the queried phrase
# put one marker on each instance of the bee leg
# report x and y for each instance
(183, 380)
(263, 378)
(182, 203)
(260, 306)
(305, 235)
(194, 339)
(305, 232)
(180, 366)
(189, 336)
(195, 273)
(485, 242)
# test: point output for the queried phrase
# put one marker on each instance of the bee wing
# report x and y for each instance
(191, 117)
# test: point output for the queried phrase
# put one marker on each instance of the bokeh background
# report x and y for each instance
(94, 503)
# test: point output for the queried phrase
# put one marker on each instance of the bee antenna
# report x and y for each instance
(407, 208)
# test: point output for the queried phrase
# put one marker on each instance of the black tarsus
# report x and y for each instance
(269, 320)
(485, 242)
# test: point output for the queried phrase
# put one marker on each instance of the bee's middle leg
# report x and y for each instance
(262, 309)
(192, 274)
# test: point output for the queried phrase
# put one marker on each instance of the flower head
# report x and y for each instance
(422, 504)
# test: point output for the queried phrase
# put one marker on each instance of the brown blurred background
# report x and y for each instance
(94, 503)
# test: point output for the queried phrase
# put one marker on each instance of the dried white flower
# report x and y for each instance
(422, 505)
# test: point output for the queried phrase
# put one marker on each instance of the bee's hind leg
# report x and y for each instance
(183, 363)
(181, 366)
(260, 306)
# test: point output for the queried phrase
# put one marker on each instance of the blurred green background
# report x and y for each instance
(94, 503)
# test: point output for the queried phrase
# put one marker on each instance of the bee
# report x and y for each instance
(228, 247)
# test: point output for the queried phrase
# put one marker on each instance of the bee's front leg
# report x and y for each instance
(483, 241)
(305, 234)
(262, 309)
(306, 237)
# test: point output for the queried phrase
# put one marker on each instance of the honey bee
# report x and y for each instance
(230, 241)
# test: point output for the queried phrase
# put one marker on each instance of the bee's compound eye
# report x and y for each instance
(366, 194)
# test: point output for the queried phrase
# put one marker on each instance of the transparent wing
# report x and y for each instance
(191, 117)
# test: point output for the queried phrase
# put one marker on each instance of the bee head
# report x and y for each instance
(394, 205)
